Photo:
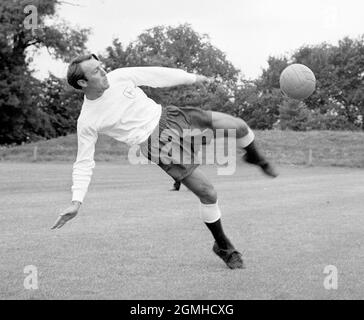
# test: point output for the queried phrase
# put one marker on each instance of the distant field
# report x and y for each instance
(284, 147)
(133, 239)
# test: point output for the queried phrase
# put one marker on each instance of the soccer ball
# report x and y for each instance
(297, 81)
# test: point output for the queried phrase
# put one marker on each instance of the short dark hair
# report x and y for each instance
(75, 72)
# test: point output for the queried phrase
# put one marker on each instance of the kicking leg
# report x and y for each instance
(244, 137)
(211, 215)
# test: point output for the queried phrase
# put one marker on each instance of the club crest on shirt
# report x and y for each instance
(129, 92)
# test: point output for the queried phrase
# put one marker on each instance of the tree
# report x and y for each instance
(21, 118)
(269, 80)
(179, 47)
(340, 75)
(339, 70)
(294, 115)
(60, 105)
(259, 109)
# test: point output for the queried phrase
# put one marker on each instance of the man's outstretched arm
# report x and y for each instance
(82, 172)
(157, 77)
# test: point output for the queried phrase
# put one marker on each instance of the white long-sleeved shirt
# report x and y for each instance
(123, 112)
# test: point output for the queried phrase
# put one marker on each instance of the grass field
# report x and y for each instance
(135, 240)
(329, 148)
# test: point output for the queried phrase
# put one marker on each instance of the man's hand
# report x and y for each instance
(67, 215)
(204, 79)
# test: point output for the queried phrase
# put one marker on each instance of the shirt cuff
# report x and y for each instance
(78, 195)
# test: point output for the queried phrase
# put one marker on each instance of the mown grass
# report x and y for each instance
(133, 239)
(329, 148)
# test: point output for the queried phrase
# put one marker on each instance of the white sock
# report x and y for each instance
(246, 140)
(210, 213)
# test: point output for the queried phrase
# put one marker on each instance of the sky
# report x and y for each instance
(248, 31)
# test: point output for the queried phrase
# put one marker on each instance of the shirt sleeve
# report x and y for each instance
(84, 165)
(156, 77)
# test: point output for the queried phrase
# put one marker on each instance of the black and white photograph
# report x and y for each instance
(196, 152)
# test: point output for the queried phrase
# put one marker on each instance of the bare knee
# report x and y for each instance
(242, 128)
(207, 194)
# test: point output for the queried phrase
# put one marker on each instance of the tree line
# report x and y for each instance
(32, 109)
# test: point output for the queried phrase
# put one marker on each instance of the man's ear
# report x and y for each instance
(82, 83)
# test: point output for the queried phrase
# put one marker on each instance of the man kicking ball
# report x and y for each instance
(114, 105)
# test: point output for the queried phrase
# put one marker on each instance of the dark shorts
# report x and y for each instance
(170, 147)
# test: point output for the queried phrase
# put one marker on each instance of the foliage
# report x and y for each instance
(293, 115)
(178, 47)
(339, 70)
(259, 109)
(31, 109)
(61, 105)
(21, 116)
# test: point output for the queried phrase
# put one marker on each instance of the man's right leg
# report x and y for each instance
(244, 140)
(213, 120)
(211, 215)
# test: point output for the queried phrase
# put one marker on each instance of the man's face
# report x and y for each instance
(95, 75)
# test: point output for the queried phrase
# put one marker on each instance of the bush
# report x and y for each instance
(294, 115)
(329, 121)
(259, 109)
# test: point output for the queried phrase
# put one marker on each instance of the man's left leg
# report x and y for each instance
(211, 215)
